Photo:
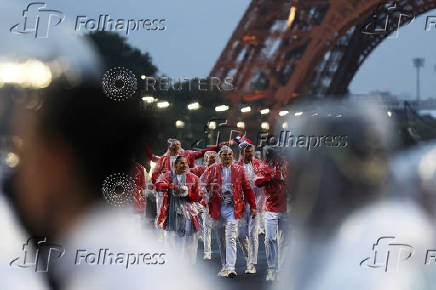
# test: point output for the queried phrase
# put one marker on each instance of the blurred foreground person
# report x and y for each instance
(227, 189)
(11, 245)
(76, 174)
(349, 234)
(65, 160)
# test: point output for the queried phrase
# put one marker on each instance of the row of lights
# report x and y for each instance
(263, 125)
(165, 104)
(241, 125)
(222, 108)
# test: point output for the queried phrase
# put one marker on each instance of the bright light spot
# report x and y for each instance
(180, 124)
(212, 125)
(339, 116)
(285, 125)
(12, 160)
(221, 108)
(264, 111)
(143, 77)
(283, 113)
(194, 106)
(240, 125)
(148, 99)
(291, 17)
(163, 104)
(32, 73)
(264, 125)
(246, 109)
(298, 114)
(389, 114)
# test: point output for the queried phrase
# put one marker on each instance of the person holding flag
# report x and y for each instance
(178, 213)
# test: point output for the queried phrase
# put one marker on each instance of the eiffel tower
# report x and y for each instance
(286, 50)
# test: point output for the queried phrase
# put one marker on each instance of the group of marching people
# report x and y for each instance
(238, 199)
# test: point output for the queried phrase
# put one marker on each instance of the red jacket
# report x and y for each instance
(198, 171)
(241, 190)
(275, 189)
(164, 161)
(164, 184)
(138, 199)
(258, 166)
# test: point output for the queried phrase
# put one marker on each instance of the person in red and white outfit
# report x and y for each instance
(206, 221)
(140, 187)
(276, 216)
(178, 214)
(227, 189)
(248, 230)
(209, 159)
(165, 162)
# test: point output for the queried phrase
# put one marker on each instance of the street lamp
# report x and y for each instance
(194, 106)
(418, 63)
(163, 104)
(221, 108)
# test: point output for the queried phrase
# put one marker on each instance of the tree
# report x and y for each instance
(117, 52)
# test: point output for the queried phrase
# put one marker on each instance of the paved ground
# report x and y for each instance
(242, 281)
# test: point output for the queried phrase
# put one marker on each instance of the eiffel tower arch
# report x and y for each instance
(283, 50)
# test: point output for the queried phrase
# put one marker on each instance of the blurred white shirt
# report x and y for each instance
(335, 262)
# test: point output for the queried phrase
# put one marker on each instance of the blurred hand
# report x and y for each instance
(225, 143)
(253, 212)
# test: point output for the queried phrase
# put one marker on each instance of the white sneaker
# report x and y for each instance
(231, 274)
(251, 269)
(222, 273)
(207, 256)
(270, 276)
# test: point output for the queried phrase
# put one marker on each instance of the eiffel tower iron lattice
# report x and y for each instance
(282, 50)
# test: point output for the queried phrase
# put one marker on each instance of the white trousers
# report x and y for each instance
(248, 236)
(276, 238)
(207, 230)
(226, 232)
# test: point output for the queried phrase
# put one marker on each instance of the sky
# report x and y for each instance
(390, 65)
(198, 30)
